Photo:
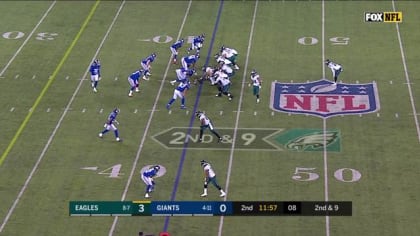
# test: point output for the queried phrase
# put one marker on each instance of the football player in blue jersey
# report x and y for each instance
(95, 74)
(111, 124)
(134, 80)
(210, 177)
(336, 69)
(174, 49)
(147, 177)
(179, 92)
(182, 75)
(206, 123)
(197, 43)
(146, 64)
(189, 61)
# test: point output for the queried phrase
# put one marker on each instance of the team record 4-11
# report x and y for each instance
(210, 208)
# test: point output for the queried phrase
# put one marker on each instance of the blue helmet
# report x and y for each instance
(154, 55)
(117, 110)
(190, 72)
(156, 168)
(96, 61)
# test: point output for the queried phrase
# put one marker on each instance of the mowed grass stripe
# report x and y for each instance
(47, 85)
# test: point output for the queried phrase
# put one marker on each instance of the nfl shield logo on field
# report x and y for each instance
(324, 99)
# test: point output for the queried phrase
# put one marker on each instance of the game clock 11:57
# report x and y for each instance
(267, 207)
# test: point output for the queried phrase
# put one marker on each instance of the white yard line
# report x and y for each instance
(232, 150)
(146, 130)
(50, 139)
(324, 122)
(27, 39)
(407, 78)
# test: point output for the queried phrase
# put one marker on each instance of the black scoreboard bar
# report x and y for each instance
(210, 208)
(296, 208)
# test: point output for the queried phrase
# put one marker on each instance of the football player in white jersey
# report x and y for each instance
(206, 123)
(335, 68)
(230, 54)
(223, 83)
(210, 177)
(256, 82)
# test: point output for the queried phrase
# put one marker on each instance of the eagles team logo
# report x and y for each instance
(312, 141)
(323, 98)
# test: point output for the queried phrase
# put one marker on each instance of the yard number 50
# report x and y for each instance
(333, 40)
(308, 174)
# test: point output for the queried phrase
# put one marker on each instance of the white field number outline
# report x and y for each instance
(112, 172)
(308, 174)
(51, 36)
(39, 36)
(334, 40)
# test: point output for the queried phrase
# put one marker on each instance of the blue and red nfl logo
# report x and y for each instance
(323, 98)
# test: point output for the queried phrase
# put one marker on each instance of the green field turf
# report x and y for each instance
(51, 153)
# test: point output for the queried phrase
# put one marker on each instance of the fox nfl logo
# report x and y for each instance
(383, 17)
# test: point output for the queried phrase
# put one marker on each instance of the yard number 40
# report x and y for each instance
(308, 174)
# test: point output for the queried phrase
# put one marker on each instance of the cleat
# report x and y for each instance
(220, 140)
(204, 195)
(94, 90)
(222, 194)
(183, 107)
(168, 107)
(118, 139)
(147, 195)
(230, 98)
(130, 94)
(218, 95)
(100, 135)
(145, 78)
(137, 90)
(200, 140)
(258, 100)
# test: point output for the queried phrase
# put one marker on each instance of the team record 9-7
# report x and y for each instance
(210, 208)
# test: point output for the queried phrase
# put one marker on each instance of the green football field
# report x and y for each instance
(306, 140)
